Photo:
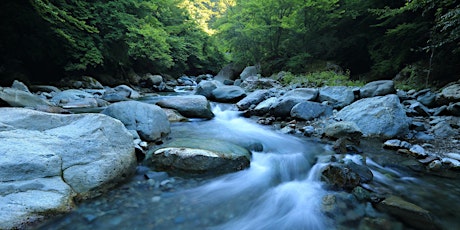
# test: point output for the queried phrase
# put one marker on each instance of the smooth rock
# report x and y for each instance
(449, 94)
(20, 86)
(396, 144)
(70, 95)
(343, 129)
(377, 88)
(427, 98)
(255, 83)
(338, 176)
(201, 156)
(310, 110)
(64, 157)
(264, 107)
(407, 212)
(418, 151)
(442, 130)
(150, 121)
(248, 72)
(253, 98)
(19, 98)
(205, 88)
(337, 96)
(194, 106)
(228, 94)
(174, 116)
(454, 109)
(380, 116)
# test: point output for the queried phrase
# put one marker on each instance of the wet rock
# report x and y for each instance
(228, 94)
(310, 110)
(361, 194)
(248, 72)
(337, 96)
(150, 121)
(253, 98)
(346, 145)
(377, 88)
(407, 212)
(157, 176)
(19, 98)
(449, 94)
(451, 163)
(201, 156)
(455, 156)
(396, 144)
(343, 129)
(205, 88)
(64, 158)
(377, 116)
(283, 106)
(379, 223)
(174, 116)
(339, 176)
(195, 106)
(435, 165)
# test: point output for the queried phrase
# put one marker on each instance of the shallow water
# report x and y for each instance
(280, 190)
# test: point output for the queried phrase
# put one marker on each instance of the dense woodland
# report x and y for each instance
(46, 40)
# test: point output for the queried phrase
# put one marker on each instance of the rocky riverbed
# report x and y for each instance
(71, 156)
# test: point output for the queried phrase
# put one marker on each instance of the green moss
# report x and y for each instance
(319, 79)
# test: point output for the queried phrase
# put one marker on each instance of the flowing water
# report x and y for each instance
(280, 190)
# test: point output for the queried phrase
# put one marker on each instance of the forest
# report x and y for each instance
(47, 40)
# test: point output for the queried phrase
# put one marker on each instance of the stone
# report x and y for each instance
(418, 151)
(427, 98)
(254, 83)
(310, 110)
(44, 88)
(194, 106)
(127, 91)
(264, 106)
(228, 94)
(338, 176)
(20, 86)
(435, 165)
(70, 95)
(420, 109)
(228, 72)
(253, 98)
(343, 129)
(205, 88)
(443, 130)
(448, 94)
(407, 212)
(200, 156)
(396, 144)
(19, 98)
(377, 88)
(381, 116)
(65, 157)
(90, 83)
(150, 121)
(174, 116)
(248, 72)
(337, 96)
(308, 94)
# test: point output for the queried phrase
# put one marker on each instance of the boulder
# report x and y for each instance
(310, 110)
(205, 88)
(336, 96)
(264, 106)
(201, 156)
(195, 106)
(70, 96)
(19, 98)
(407, 212)
(338, 176)
(127, 91)
(377, 88)
(229, 72)
(254, 83)
(381, 116)
(150, 121)
(174, 116)
(228, 93)
(49, 160)
(343, 129)
(20, 86)
(426, 97)
(283, 106)
(449, 94)
(253, 98)
(454, 109)
(249, 72)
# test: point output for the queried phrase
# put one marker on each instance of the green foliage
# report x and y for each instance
(319, 79)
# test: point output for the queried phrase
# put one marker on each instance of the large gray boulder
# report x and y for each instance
(205, 88)
(74, 98)
(20, 98)
(228, 93)
(283, 106)
(48, 160)
(264, 107)
(377, 88)
(377, 116)
(253, 98)
(194, 106)
(201, 156)
(337, 96)
(150, 121)
(310, 110)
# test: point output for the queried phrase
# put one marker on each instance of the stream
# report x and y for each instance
(280, 190)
